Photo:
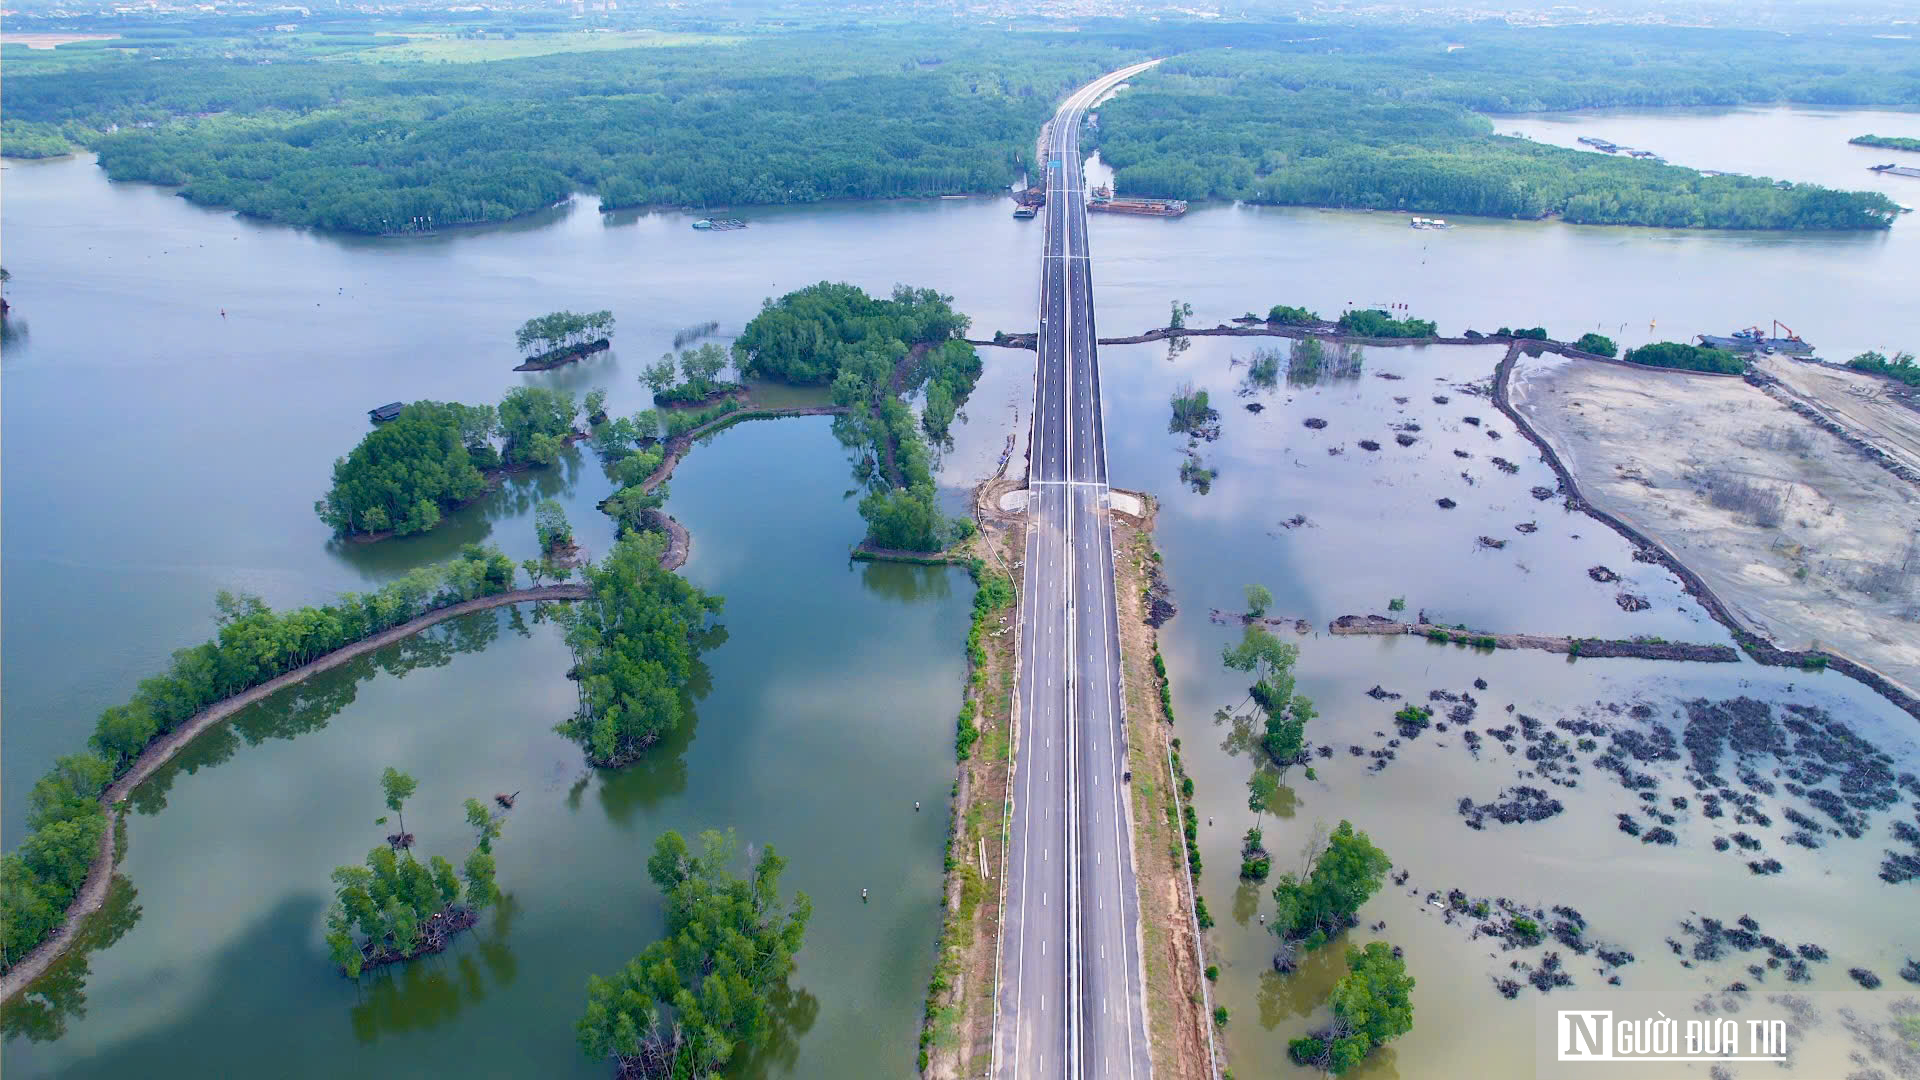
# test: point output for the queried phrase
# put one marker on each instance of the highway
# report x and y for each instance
(1070, 999)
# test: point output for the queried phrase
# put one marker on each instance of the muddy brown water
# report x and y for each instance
(213, 437)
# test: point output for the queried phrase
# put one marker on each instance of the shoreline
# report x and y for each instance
(956, 1032)
(93, 892)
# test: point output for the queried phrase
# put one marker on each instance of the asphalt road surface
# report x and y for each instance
(1070, 996)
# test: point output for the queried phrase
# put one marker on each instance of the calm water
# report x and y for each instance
(156, 451)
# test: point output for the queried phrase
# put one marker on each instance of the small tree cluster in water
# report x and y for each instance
(1285, 713)
(1192, 415)
(396, 907)
(691, 377)
(693, 1001)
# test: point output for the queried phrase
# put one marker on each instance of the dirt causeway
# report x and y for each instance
(1176, 1002)
(1809, 542)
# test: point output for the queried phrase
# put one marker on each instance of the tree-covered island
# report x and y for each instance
(871, 352)
(437, 456)
(562, 337)
(1887, 142)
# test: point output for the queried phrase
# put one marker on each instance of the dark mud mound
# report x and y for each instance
(1511, 806)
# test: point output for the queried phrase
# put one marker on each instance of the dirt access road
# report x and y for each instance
(1866, 405)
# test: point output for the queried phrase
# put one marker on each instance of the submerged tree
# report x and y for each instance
(398, 787)
(1259, 599)
(550, 526)
(1372, 1004)
(693, 1001)
(1192, 415)
(1341, 877)
(1270, 661)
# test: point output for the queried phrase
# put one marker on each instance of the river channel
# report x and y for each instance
(157, 449)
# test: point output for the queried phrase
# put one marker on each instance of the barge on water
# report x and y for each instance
(1025, 213)
(1754, 339)
(1891, 169)
(1103, 201)
(719, 224)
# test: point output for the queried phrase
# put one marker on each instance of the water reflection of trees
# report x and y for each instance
(1246, 902)
(309, 705)
(40, 1014)
(1283, 997)
(906, 582)
(1243, 738)
(428, 992)
(1311, 362)
(791, 1013)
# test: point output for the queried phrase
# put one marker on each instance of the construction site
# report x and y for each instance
(1791, 492)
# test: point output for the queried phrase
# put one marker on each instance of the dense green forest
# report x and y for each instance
(1387, 120)
(636, 643)
(871, 351)
(713, 987)
(1673, 354)
(254, 644)
(380, 148)
(293, 128)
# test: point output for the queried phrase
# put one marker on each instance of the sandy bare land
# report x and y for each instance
(1841, 568)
